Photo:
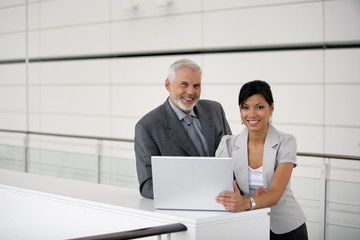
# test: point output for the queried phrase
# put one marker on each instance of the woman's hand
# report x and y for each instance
(233, 201)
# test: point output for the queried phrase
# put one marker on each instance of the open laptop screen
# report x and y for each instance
(190, 183)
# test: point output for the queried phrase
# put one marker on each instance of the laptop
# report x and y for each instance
(190, 183)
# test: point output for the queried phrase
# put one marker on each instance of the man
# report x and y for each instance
(182, 126)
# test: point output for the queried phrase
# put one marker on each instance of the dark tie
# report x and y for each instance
(194, 133)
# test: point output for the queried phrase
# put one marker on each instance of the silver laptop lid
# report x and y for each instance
(190, 183)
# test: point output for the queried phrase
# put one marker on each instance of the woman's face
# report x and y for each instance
(255, 112)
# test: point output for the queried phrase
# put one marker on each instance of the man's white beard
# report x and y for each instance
(177, 100)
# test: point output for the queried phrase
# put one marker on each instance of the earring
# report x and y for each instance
(270, 120)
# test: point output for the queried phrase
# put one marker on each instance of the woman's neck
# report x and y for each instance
(257, 137)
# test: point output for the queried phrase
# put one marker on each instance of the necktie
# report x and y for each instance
(194, 133)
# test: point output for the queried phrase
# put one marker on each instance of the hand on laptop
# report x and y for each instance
(233, 201)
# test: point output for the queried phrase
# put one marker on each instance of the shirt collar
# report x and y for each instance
(180, 114)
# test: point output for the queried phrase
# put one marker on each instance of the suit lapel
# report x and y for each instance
(240, 155)
(208, 127)
(177, 132)
(269, 157)
(240, 161)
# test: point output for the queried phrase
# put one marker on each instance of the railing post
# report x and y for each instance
(26, 152)
(99, 154)
(323, 188)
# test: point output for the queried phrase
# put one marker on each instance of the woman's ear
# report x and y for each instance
(272, 108)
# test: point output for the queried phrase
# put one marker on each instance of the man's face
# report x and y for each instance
(185, 89)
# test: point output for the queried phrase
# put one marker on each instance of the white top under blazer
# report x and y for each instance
(279, 148)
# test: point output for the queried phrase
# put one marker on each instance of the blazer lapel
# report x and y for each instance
(269, 157)
(240, 161)
(240, 158)
(177, 132)
(208, 128)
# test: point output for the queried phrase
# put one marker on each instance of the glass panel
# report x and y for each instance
(306, 191)
(118, 171)
(12, 157)
(343, 209)
(77, 166)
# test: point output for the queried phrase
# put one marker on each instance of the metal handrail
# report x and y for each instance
(138, 233)
(326, 155)
(68, 135)
(305, 154)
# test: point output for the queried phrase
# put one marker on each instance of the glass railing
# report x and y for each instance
(12, 157)
(93, 159)
(326, 186)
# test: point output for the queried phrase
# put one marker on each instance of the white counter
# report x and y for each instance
(41, 207)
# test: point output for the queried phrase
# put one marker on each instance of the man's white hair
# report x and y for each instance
(187, 63)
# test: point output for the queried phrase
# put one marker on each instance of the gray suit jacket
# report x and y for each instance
(160, 133)
(279, 147)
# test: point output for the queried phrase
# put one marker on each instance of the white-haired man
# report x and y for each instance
(182, 126)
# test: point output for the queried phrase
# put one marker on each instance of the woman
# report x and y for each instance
(263, 161)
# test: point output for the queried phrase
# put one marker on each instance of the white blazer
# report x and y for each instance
(279, 147)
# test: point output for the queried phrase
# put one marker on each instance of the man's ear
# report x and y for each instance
(167, 85)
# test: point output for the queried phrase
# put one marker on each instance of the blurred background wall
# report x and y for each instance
(95, 67)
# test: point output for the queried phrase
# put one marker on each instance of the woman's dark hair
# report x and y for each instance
(256, 87)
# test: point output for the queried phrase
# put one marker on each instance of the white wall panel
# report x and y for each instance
(34, 44)
(35, 99)
(341, 105)
(34, 16)
(13, 99)
(12, 74)
(225, 94)
(231, 4)
(342, 141)
(122, 9)
(157, 34)
(136, 101)
(308, 138)
(298, 104)
(273, 25)
(75, 100)
(34, 71)
(76, 12)
(145, 70)
(74, 72)
(75, 125)
(122, 127)
(7, 3)
(342, 66)
(81, 40)
(12, 19)
(35, 122)
(13, 120)
(278, 67)
(342, 21)
(12, 46)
